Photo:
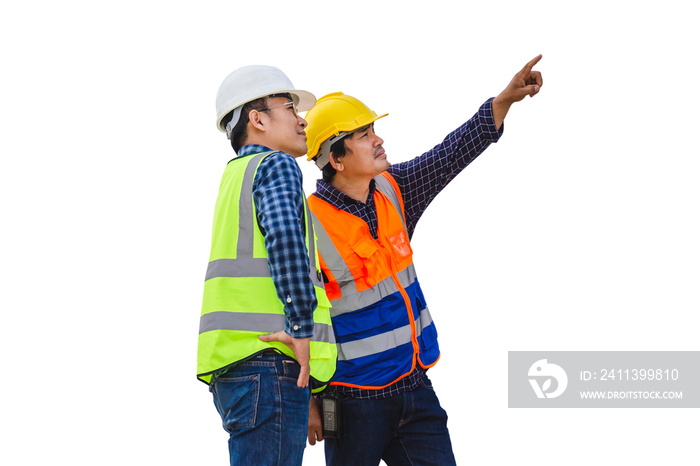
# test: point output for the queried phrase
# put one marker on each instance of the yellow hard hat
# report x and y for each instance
(333, 117)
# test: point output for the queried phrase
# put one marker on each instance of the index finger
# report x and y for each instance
(527, 68)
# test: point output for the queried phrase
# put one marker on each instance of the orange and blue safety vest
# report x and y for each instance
(382, 324)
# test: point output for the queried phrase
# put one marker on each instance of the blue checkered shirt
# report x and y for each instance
(279, 205)
(420, 180)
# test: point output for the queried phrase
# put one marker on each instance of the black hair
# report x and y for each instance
(338, 150)
(240, 131)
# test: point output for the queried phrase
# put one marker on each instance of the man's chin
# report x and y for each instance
(384, 168)
(296, 153)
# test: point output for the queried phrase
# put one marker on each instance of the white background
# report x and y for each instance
(577, 231)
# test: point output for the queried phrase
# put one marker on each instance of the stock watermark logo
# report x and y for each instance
(604, 379)
(544, 372)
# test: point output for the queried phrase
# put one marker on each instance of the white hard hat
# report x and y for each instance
(252, 82)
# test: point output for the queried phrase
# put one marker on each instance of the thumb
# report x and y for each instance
(532, 90)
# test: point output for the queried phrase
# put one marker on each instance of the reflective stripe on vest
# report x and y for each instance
(385, 187)
(376, 323)
(378, 343)
(253, 322)
(352, 299)
(240, 298)
(245, 265)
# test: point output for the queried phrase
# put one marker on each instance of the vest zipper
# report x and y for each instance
(409, 307)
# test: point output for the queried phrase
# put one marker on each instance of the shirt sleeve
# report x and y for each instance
(422, 178)
(278, 198)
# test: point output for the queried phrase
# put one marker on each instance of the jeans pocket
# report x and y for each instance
(290, 370)
(236, 399)
(426, 383)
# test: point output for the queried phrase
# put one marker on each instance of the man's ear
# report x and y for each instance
(255, 119)
(336, 163)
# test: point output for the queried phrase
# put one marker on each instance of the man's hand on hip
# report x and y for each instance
(301, 349)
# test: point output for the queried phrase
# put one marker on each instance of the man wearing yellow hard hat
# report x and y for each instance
(380, 404)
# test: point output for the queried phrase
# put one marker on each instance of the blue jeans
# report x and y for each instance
(263, 410)
(406, 429)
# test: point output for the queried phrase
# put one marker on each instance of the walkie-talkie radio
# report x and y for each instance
(331, 419)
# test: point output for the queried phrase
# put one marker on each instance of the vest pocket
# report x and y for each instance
(366, 263)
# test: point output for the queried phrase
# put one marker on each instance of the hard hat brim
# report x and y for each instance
(322, 157)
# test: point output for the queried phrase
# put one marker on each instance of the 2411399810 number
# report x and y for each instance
(639, 374)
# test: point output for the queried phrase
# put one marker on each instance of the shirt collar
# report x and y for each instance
(252, 149)
(337, 198)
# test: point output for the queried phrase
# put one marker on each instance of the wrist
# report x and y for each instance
(499, 108)
(502, 101)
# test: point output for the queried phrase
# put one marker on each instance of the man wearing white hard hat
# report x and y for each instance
(265, 336)
(367, 210)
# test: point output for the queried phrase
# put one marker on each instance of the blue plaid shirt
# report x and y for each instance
(279, 204)
(420, 180)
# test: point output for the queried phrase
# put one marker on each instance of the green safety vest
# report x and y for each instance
(240, 298)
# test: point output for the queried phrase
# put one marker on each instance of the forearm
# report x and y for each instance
(500, 106)
(422, 178)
